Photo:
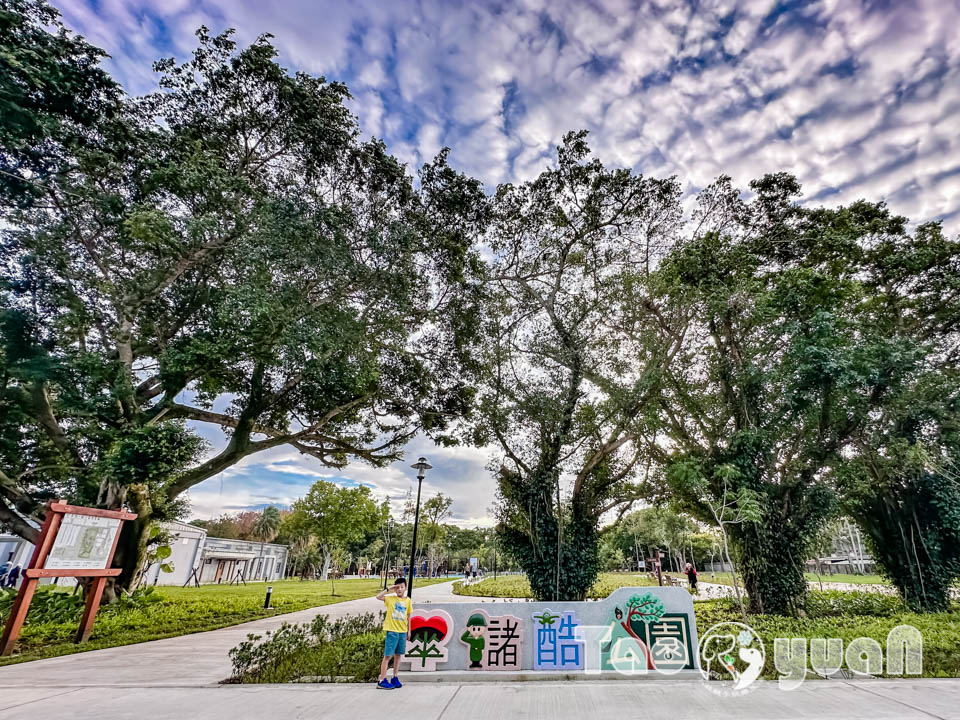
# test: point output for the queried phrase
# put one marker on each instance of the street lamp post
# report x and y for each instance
(421, 466)
(386, 554)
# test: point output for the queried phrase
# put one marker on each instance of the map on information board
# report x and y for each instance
(83, 542)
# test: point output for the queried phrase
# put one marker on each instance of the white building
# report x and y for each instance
(15, 550)
(194, 557)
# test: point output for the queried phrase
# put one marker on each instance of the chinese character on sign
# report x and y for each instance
(504, 650)
(668, 643)
(559, 644)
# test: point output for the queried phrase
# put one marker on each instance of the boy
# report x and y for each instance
(397, 624)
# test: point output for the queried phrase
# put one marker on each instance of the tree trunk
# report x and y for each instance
(772, 566)
(327, 558)
(131, 553)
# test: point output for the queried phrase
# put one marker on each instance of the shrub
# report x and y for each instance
(350, 646)
(51, 604)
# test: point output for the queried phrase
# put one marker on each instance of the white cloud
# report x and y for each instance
(857, 99)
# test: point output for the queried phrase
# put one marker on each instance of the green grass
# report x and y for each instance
(725, 578)
(189, 610)
(517, 586)
(847, 578)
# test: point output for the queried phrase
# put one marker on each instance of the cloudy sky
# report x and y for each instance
(855, 97)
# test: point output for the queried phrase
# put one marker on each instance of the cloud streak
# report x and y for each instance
(858, 99)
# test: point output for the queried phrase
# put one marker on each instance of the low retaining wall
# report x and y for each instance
(634, 630)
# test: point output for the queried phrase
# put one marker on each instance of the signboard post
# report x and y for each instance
(74, 542)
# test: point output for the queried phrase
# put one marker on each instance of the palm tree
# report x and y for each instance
(266, 527)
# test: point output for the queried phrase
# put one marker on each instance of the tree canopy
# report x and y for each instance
(229, 237)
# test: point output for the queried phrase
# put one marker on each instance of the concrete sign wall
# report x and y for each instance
(635, 630)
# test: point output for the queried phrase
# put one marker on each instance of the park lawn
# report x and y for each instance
(517, 586)
(725, 578)
(183, 611)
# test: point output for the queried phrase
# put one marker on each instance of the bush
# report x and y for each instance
(834, 603)
(517, 586)
(848, 615)
(51, 604)
(348, 647)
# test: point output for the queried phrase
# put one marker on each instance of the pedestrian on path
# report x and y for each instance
(397, 624)
(691, 573)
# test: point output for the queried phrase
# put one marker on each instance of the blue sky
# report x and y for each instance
(856, 98)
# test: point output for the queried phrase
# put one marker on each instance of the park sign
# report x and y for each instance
(636, 630)
(74, 542)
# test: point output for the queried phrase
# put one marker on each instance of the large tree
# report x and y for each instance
(52, 92)
(576, 340)
(784, 368)
(333, 517)
(900, 474)
(228, 240)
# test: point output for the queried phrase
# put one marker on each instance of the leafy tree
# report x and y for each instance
(52, 92)
(638, 534)
(229, 236)
(571, 364)
(266, 527)
(898, 478)
(783, 369)
(432, 531)
(335, 516)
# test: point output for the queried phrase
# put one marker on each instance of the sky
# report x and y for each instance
(857, 99)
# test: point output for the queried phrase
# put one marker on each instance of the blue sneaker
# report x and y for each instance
(395, 682)
(384, 685)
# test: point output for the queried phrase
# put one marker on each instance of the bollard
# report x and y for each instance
(266, 600)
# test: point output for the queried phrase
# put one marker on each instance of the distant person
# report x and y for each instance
(397, 624)
(691, 574)
(13, 576)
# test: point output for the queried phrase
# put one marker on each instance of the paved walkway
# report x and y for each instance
(178, 678)
(650, 700)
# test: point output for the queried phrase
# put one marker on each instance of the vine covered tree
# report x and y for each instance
(572, 359)
(785, 367)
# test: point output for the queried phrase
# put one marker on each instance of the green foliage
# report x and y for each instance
(833, 603)
(350, 646)
(912, 524)
(573, 350)
(51, 90)
(332, 516)
(51, 605)
(267, 525)
(849, 615)
(517, 586)
(231, 235)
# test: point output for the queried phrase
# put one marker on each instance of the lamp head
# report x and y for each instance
(422, 466)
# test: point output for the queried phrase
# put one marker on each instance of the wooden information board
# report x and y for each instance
(74, 542)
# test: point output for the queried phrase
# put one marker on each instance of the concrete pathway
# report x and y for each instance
(650, 700)
(178, 678)
(195, 660)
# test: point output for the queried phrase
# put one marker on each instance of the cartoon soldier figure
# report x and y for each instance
(474, 637)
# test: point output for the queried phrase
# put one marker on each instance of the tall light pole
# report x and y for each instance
(386, 553)
(421, 466)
